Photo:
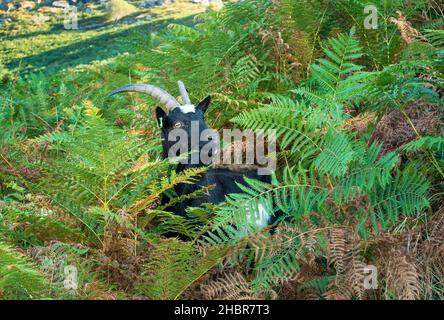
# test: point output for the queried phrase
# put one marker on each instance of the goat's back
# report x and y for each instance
(222, 182)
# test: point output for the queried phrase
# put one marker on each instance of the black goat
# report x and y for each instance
(184, 117)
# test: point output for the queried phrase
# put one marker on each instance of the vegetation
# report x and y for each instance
(118, 9)
(359, 182)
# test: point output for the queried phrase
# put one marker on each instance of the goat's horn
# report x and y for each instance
(164, 97)
(183, 93)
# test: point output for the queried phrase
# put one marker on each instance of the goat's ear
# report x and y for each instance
(203, 105)
(160, 117)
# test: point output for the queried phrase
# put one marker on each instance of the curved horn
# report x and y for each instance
(164, 97)
(183, 93)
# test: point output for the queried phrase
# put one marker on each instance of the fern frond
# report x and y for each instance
(433, 143)
(19, 278)
(173, 267)
(403, 277)
(234, 286)
(338, 79)
(406, 194)
(344, 254)
(187, 176)
(337, 152)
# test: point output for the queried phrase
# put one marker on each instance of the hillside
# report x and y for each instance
(37, 40)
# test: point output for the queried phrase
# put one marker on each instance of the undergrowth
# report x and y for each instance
(359, 182)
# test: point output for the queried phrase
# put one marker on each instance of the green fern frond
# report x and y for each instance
(366, 173)
(173, 267)
(435, 36)
(292, 246)
(19, 278)
(337, 152)
(293, 126)
(432, 143)
(338, 79)
(406, 194)
(280, 266)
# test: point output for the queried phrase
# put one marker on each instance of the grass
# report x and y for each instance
(49, 47)
(117, 9)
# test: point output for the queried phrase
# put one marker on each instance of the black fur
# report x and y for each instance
(223, 181)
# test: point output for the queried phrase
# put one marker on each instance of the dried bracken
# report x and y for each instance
(360, 123)
(408, 33)
(398, 268)
(344, 253)
(431, 253)
(402, 276)
(119, 254)
(394, 129)
(291, 47)
(233, 286)
(239, 156)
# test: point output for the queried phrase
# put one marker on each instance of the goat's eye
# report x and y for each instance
(177, 125)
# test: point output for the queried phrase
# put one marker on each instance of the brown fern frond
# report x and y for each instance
(360, 122)
(435, 239)
(344, 253)
(393, 130)
(337, 248)
(336, 293)
(291, 48)
(233, 286)
(433, 250)
(355, 277)
(397, 265)
(408, 33)
(263, 246)
(402, 276)
(119, 255)
(228, 286)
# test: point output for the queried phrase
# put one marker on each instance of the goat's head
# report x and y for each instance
(183, 127)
